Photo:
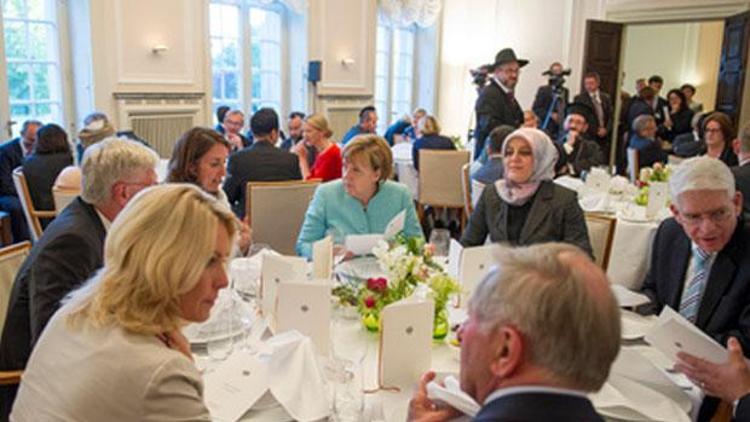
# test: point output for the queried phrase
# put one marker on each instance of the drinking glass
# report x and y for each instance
(440, 239)
(220, 346)
(348, 401)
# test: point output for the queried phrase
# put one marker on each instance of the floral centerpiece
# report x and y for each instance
(409, 269)
(657, 173)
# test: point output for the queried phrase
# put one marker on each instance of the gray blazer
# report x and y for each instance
(555, 216)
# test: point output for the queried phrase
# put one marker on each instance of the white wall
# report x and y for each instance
(678, 52)
(536, 29)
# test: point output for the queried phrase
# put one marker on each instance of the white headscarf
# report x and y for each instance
(545, 156)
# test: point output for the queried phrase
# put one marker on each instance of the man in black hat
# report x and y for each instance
(497, 103)
(577, 151)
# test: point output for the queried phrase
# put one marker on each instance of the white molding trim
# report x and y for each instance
(186, 77)
(640, 11)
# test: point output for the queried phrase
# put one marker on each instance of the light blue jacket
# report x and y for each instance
(333, 211)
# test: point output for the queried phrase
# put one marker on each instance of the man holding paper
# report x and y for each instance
(543, 331)
(700, 259)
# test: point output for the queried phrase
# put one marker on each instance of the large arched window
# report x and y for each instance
(394, 73)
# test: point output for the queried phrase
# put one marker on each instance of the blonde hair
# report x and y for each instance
(374, 150)
(318, 121)
(571, 332)
(109, 161)
(428, 125)
(156, 250)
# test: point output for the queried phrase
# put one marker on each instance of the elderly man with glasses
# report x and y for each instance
(700, 258)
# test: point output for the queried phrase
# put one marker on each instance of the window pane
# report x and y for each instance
(382, 76)
(265, 50)
(225, 54)
(31, 47)
(231, 87)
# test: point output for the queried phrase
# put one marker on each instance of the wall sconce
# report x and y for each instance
(159, 48)
(347, 62)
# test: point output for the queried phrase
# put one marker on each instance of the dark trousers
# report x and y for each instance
(12, 205)
(7, 397)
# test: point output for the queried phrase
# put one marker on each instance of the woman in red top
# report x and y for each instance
(327, 165)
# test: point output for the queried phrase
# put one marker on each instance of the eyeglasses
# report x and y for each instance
(712, 130)
(717, 217)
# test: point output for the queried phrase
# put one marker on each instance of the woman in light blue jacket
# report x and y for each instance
(363, 201)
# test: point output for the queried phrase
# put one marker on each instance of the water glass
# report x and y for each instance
(219, 346)
(348, 400)
(245, 274)
(440, 239)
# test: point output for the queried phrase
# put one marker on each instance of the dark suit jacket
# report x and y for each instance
(742, 412)
(67, 254)
(586, 154)
(429, 142)
(11, 156)
(686, 145)
(725, 307)
(649, 152)
(493, 108)
(637, 107)
(742, 181)
(538, 407)
(542, 103)
(41, 170)
(261, 162)
(607, 109)
(555, 216)
(661, 103)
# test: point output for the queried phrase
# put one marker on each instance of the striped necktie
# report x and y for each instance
(691, 297)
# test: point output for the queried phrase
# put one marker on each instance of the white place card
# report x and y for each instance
(657, 198)
(476, 262)
(276, 270)
(235, 386)
(627, 298)
(305, 307)
(395, 225)
(322, 258)
(597, 180)
(455, 249)
(673, 334)
(361, 244)
(405, 342)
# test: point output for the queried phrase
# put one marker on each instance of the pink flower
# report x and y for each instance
(370, 302)
(377, 284)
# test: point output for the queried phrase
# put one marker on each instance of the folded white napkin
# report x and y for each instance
(297, 380)
(452, 395)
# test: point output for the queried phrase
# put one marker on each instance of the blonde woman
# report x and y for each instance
(430, 138)
(327, 164)
(114, 351)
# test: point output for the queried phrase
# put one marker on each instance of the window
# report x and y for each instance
(394, 73)
(32, 59)
(247, 44)
(225, 55)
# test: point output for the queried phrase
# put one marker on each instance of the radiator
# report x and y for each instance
(161, 131)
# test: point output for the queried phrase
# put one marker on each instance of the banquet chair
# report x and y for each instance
(601, 229)
(10, 377)
(440, 180)
(466, 188)
(32, 215)
(11, 258)
(634, 168)
(63, 197)
(5, 232)
(276, 210)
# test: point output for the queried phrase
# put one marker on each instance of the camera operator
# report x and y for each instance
(601, 103)
(554, 91)
(497, 104)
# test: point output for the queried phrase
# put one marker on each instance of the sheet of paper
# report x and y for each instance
(306, 307)
(476, 262)
(395, 225)
(673, 334)
(627, 298)
(406, 342)
(361, 244)
(276, 270)
(322, 257)
(657, 198)
(454, 258)
(234, 386)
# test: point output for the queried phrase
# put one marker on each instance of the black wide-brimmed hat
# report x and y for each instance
(582, 110)
(507, 55)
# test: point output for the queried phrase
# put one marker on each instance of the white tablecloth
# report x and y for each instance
(631, 249)
(404, 167)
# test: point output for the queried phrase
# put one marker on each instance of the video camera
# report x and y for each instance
(557, 80)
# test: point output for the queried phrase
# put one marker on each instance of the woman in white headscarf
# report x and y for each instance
(526, 206)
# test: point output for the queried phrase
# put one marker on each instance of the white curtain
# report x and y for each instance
(406, 12)
(296, 6)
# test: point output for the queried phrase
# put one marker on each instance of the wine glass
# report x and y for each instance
(440, 239)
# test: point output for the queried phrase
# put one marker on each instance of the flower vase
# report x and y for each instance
(440, 326)
(371, 321)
